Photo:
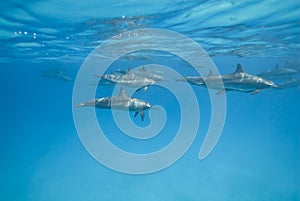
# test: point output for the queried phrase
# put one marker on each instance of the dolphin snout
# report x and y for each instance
(79, 105)
(273, 85)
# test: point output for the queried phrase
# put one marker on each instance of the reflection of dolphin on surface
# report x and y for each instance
(126, 80)
(237, 81)
(120, 102)
(56, 74)
(278, 72)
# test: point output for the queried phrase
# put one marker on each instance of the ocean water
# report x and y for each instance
(43, 155)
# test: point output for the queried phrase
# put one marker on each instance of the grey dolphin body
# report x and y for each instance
(126, 80)
(290, 83)
(278, 72)
(237, 81)
(142, 72)
(147, 73)
(120, 102)
(58, 74)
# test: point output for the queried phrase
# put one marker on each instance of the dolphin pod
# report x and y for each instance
(238, 81)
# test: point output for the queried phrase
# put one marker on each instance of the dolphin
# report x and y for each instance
(141, 73)
(127, 80)
(120, 102)
(199, 80)
(56, 74)
(147, 73)
(278, 72)
(290, 83)
(237, 81)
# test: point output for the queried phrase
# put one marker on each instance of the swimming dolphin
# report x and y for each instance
(126, 80)
(56, 74)
(237, 81)
(145, 73)
(290, 83)
(278, 72)
(120, 102)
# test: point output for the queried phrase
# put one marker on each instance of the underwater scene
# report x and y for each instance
(150, 100)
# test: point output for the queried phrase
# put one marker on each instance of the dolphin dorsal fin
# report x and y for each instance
(122, 92)
(239, 69)
(211, 73)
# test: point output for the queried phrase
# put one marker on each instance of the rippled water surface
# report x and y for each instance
(69, 30)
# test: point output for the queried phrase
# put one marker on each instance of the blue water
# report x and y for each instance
(41, 155)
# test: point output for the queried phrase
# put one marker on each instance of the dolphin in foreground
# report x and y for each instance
(120, 102)
(237, 81)
(127, 80)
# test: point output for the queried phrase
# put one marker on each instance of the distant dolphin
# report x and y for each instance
(57, 74)
(278, 72)
(126, 80)
(237, 81)
(290, 83)
(120, 102)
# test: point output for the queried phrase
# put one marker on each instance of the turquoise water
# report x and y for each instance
(42, 156)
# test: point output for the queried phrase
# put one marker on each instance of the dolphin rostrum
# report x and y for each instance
(237, 81)
(120, 102)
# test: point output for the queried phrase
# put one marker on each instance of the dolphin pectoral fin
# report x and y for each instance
(256, 91)
(221, 92)
(135, 114)
(142, 115)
